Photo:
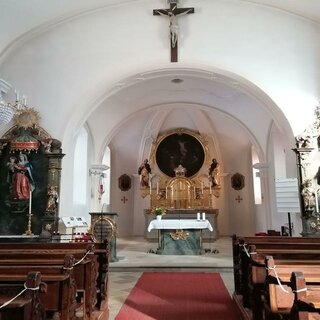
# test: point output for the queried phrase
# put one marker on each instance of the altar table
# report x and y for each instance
(180, 237)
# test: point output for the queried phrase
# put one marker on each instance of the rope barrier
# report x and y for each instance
(280, 284)
(37, 288)
(19, 294)
(88, 252)
(245, 249)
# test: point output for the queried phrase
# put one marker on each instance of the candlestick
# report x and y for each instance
(203, 216)
(198, 216)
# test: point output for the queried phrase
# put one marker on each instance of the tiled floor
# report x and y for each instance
(135, 258)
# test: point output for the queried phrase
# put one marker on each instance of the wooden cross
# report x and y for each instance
(173, 12)
(238, 199)
(124, 199)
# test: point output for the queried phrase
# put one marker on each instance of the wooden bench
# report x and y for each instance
(85, 270)
(279, 292)
(27, 306)
(306, 304)
(91, 274)
(249, 263)
(59, 299)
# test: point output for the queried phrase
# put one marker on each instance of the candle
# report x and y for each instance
(17, 95)
(150, 188)
(203, 216)
(198, 216)
(30, 201)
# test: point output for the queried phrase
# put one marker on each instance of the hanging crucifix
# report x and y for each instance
(173, 12)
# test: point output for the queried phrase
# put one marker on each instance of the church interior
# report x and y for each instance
(169, 134)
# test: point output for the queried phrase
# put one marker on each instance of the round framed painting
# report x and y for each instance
(180, 149)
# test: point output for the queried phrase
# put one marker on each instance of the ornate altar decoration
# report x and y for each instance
(180, 178)
(30, 161)
(307, 153)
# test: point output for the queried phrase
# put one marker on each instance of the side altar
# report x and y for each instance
(182, 178)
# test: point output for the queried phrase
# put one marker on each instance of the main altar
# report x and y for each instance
(179, 237)
(183, 177)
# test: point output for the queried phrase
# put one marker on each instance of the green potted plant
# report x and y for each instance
(159, 212)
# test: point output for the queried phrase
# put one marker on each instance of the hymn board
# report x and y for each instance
(173, 12)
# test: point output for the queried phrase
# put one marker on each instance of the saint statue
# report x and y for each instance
(214, 173)
(20, 177)
(308, 195)
(144, 172)
(53, 199)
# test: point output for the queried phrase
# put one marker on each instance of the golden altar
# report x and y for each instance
(182, 177)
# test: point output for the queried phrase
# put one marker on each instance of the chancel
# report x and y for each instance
(98, 123)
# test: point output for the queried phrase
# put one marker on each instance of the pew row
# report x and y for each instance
(279, 294)
(59, 296)
(306, 304)
(249, 265)
(91, 274)
(27, 305)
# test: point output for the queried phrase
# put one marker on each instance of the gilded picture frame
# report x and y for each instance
(180, 147)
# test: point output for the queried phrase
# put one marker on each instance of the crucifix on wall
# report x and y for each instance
(173, 12)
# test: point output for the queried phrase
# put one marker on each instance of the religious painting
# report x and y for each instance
(237, 181)
(124, 182)
(180, 148)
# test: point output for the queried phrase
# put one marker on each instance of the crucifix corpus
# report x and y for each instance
(173, 12)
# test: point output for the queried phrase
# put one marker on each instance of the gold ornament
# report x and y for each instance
(26, 118)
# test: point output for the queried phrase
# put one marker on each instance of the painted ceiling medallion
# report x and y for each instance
(26, 118)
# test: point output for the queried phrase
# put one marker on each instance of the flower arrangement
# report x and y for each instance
(158, 211)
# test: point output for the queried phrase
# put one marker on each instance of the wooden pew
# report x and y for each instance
(306, 304)
(91, 275)
(59, 299)
(27, 306)
(279, 295)
(249, 263)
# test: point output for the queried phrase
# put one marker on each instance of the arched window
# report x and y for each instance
(256, 179)
(106, 160)
(80, 173)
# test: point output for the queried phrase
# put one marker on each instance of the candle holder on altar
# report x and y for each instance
(28, 232)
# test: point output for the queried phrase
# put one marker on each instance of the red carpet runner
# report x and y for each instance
(178, 295)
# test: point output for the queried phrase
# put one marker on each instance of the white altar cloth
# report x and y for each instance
(181, 224)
